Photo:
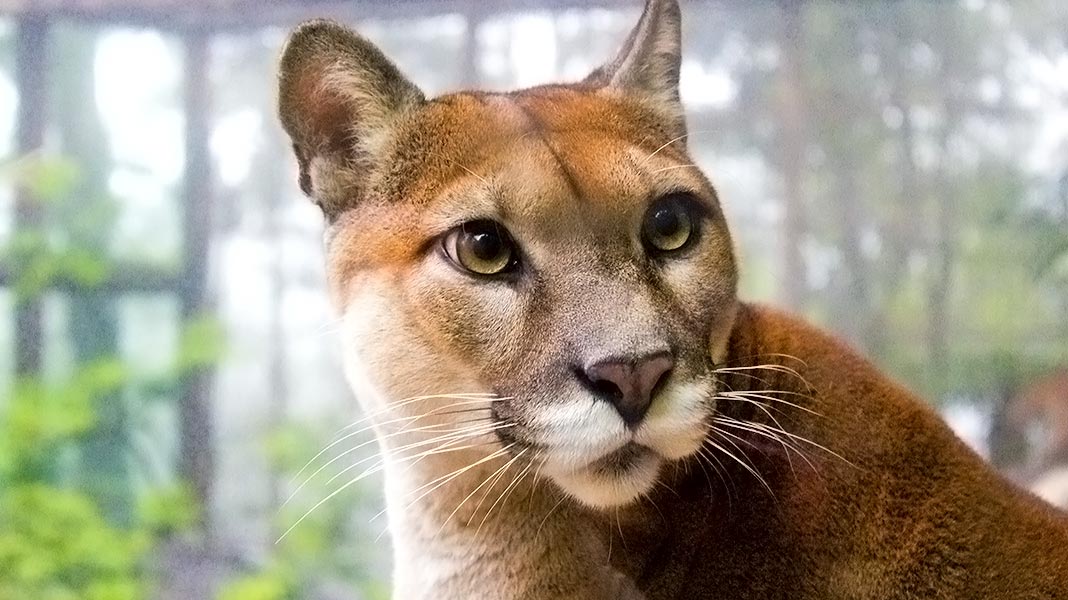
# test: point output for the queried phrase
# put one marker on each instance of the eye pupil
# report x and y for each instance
(481, 248)
(665, 222)
(486, 246)
(669, 225)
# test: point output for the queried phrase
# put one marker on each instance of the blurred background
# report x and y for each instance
(168, 358)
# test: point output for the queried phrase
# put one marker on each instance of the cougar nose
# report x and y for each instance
(628, 384)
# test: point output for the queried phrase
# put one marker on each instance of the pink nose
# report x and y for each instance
(628, 385)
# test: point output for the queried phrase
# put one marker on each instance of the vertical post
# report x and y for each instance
(273, 191)
(792, 146)
(1062, 190)
(31, 77)
(473, 15)
(196, 423)
(93, 316)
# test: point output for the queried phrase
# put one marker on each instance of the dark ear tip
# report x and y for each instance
(318, 28)
(316, 32)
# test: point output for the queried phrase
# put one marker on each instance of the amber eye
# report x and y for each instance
(481, 247)
(669, 224)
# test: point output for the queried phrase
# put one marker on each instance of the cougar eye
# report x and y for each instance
(481, 247)
(670, 223)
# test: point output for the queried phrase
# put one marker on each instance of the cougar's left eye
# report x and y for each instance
(670, 224)
(481, 248)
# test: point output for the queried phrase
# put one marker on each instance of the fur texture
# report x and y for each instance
(772, 462)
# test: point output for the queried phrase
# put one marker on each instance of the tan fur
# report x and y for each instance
(753, 474)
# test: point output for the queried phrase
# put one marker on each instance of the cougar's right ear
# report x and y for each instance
(338, 97)
(648, 64)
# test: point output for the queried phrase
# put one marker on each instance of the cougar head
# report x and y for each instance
(552, 252)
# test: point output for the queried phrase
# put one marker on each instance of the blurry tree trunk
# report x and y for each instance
(854, 293)
(1007, 441)
(87, 217)
(898, 234)
(943, 251)
(271, 157)
(196, 422)
(791, 105)
(856, 301)
(1062, 191)
(31, 78)
(474, 13)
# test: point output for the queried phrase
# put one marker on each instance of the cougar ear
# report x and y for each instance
(338, 97)
(648, 64)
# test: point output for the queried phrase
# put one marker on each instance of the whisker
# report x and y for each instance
(710, 456)
(665, 145)
(767, 367)
(669, 168)
(355, 448)
(473, 398)
(796, 437)
(768, 354)
(548, 514)
(497, 478)
(507, 490)
(472, 173)
(649, 496)
(369, 427)
(761, 406)
(536, 480)
(469, 432)
(445, 444)
(451, 476)
(468, 497)
(751, 469)
(619, 528)
(313, 509)
(763, 395)
(366, 473)
(708, 478)
(754, 428)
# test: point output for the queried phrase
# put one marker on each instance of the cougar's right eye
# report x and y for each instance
(481, 248)
(671, 224)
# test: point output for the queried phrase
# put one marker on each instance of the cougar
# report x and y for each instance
(538, 293)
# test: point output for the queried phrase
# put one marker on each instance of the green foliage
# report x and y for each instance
(263, 586)
(202, 344)
(47, 179)
(41, 419)
(168, 510)
(328, 544)
(59, 539)
(34, 258)
(55, 544)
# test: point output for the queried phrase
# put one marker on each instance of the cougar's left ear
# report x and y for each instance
(648, 65)
(339, 97)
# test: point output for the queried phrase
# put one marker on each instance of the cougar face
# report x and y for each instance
(553, 249)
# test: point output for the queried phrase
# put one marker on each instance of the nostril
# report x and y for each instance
(602, 388)
(607, 390)
(661, 382)
(628, 384)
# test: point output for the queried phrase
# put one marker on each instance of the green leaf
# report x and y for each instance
(263, 586)
(46, 178)
(202, 343)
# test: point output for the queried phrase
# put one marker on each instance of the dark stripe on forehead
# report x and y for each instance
(536, 127)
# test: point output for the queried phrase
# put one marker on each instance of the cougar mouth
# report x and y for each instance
(619, 462)
(619, 478)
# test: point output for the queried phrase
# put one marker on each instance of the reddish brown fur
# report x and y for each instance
(877, 499)
(1044, 402)
(915, 515)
